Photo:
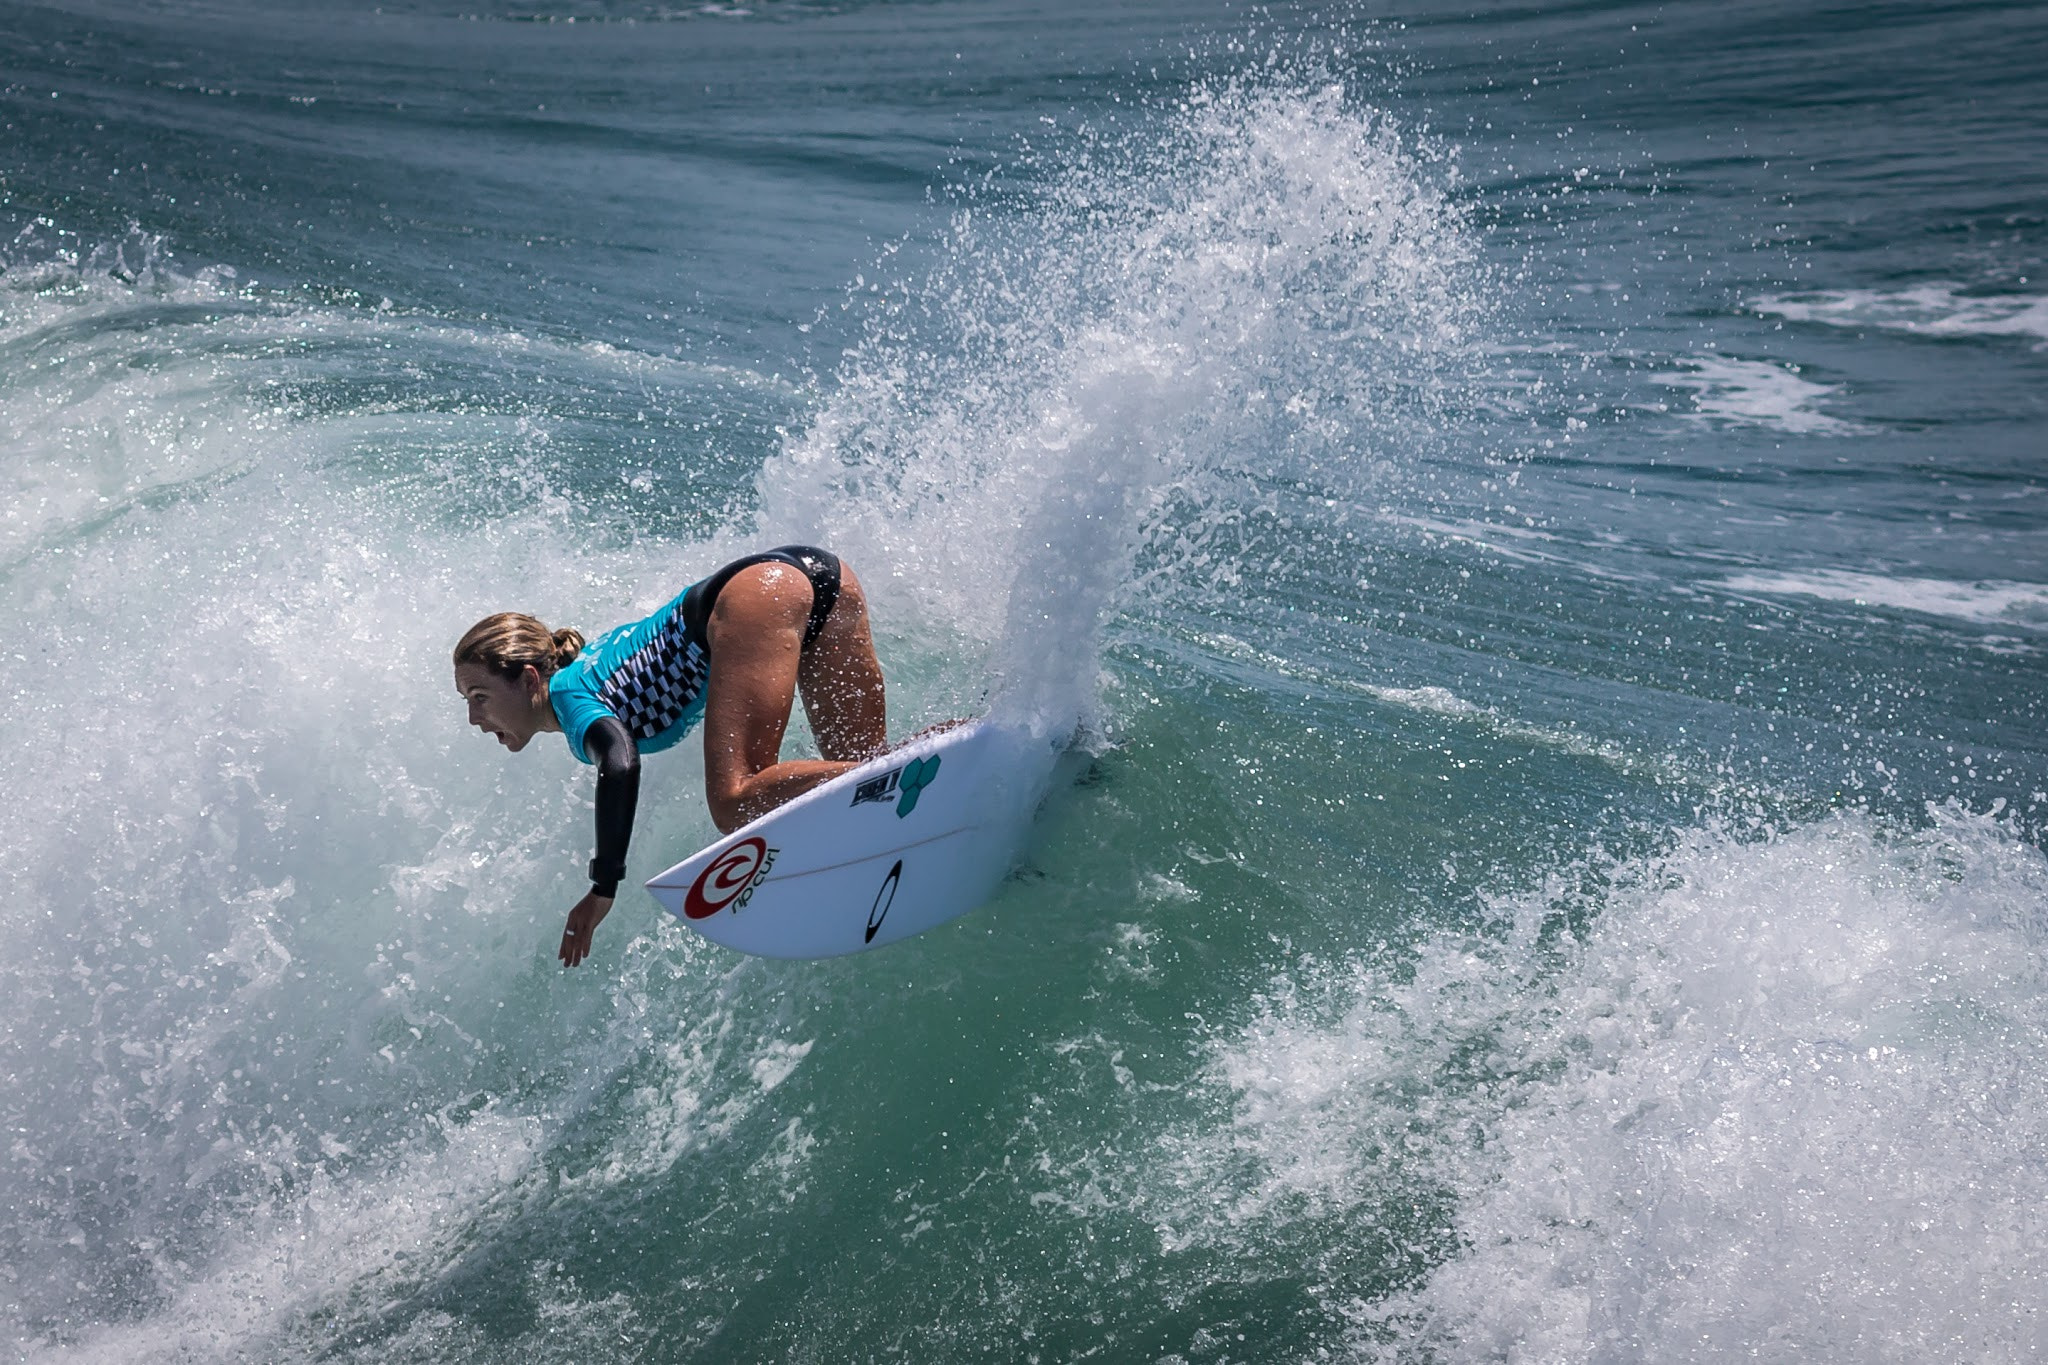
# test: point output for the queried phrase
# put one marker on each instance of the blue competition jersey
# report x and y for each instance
(650, 674)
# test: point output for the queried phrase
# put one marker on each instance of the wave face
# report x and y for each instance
(1540, 521)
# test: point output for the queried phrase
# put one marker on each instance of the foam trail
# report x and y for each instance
(1930, 310)
(1757, 393)
(1983, 603)
(1072, 393)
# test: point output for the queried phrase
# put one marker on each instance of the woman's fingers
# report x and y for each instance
(583, 922)
(575, 937)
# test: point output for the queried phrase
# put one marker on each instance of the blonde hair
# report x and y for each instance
(508, 642)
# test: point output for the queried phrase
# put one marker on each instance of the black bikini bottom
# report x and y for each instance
(820, 566)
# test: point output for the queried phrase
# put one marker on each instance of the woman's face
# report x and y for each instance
(509, 711)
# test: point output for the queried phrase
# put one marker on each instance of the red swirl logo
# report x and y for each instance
(727, 875)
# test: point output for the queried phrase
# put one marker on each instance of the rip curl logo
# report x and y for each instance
(906, 784)
(730, 878)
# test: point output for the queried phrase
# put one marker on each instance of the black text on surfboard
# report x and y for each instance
(906, 784)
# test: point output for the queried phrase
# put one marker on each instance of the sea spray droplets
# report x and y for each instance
(1263, 288)
(1791, 1094)
(1783, 1093)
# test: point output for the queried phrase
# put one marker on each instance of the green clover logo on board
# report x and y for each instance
(917, 775)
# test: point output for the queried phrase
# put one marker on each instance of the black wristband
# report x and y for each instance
(604, 879)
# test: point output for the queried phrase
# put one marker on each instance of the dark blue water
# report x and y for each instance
(1545, 510)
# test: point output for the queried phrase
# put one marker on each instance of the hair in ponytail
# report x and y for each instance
(568, 644)
(508, 642)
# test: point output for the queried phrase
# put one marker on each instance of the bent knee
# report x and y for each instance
(726, 812)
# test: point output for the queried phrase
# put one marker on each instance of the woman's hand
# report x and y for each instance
(583, 921)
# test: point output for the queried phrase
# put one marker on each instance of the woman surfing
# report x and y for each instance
(733, 652)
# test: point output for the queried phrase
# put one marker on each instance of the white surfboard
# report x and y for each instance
(912, 839)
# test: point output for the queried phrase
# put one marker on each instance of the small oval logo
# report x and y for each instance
(884, 898)
(725, 877)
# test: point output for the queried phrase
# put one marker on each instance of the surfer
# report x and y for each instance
(733, 651)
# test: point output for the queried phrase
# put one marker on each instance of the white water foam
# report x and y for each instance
(1992, 602)
(1781, 1095)
(1932, 310)
(1757, 393)
(272, 1017)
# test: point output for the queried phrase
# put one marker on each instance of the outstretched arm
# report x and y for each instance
(618, 796)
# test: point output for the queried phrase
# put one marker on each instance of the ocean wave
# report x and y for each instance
(133, 381)
(272, 1022)
(1787, 1096)
(1781, 1091)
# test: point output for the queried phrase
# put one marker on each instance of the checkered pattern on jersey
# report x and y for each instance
(652, 688)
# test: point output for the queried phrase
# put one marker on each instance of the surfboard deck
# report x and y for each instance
(910, 840)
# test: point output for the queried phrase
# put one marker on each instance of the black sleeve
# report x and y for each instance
(618, 793)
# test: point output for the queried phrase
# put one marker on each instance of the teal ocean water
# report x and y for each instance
(1544, 507)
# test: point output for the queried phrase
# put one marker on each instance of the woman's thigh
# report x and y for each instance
(841, 680)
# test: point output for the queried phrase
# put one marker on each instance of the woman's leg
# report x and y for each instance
(755, 633)
(841, 681)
